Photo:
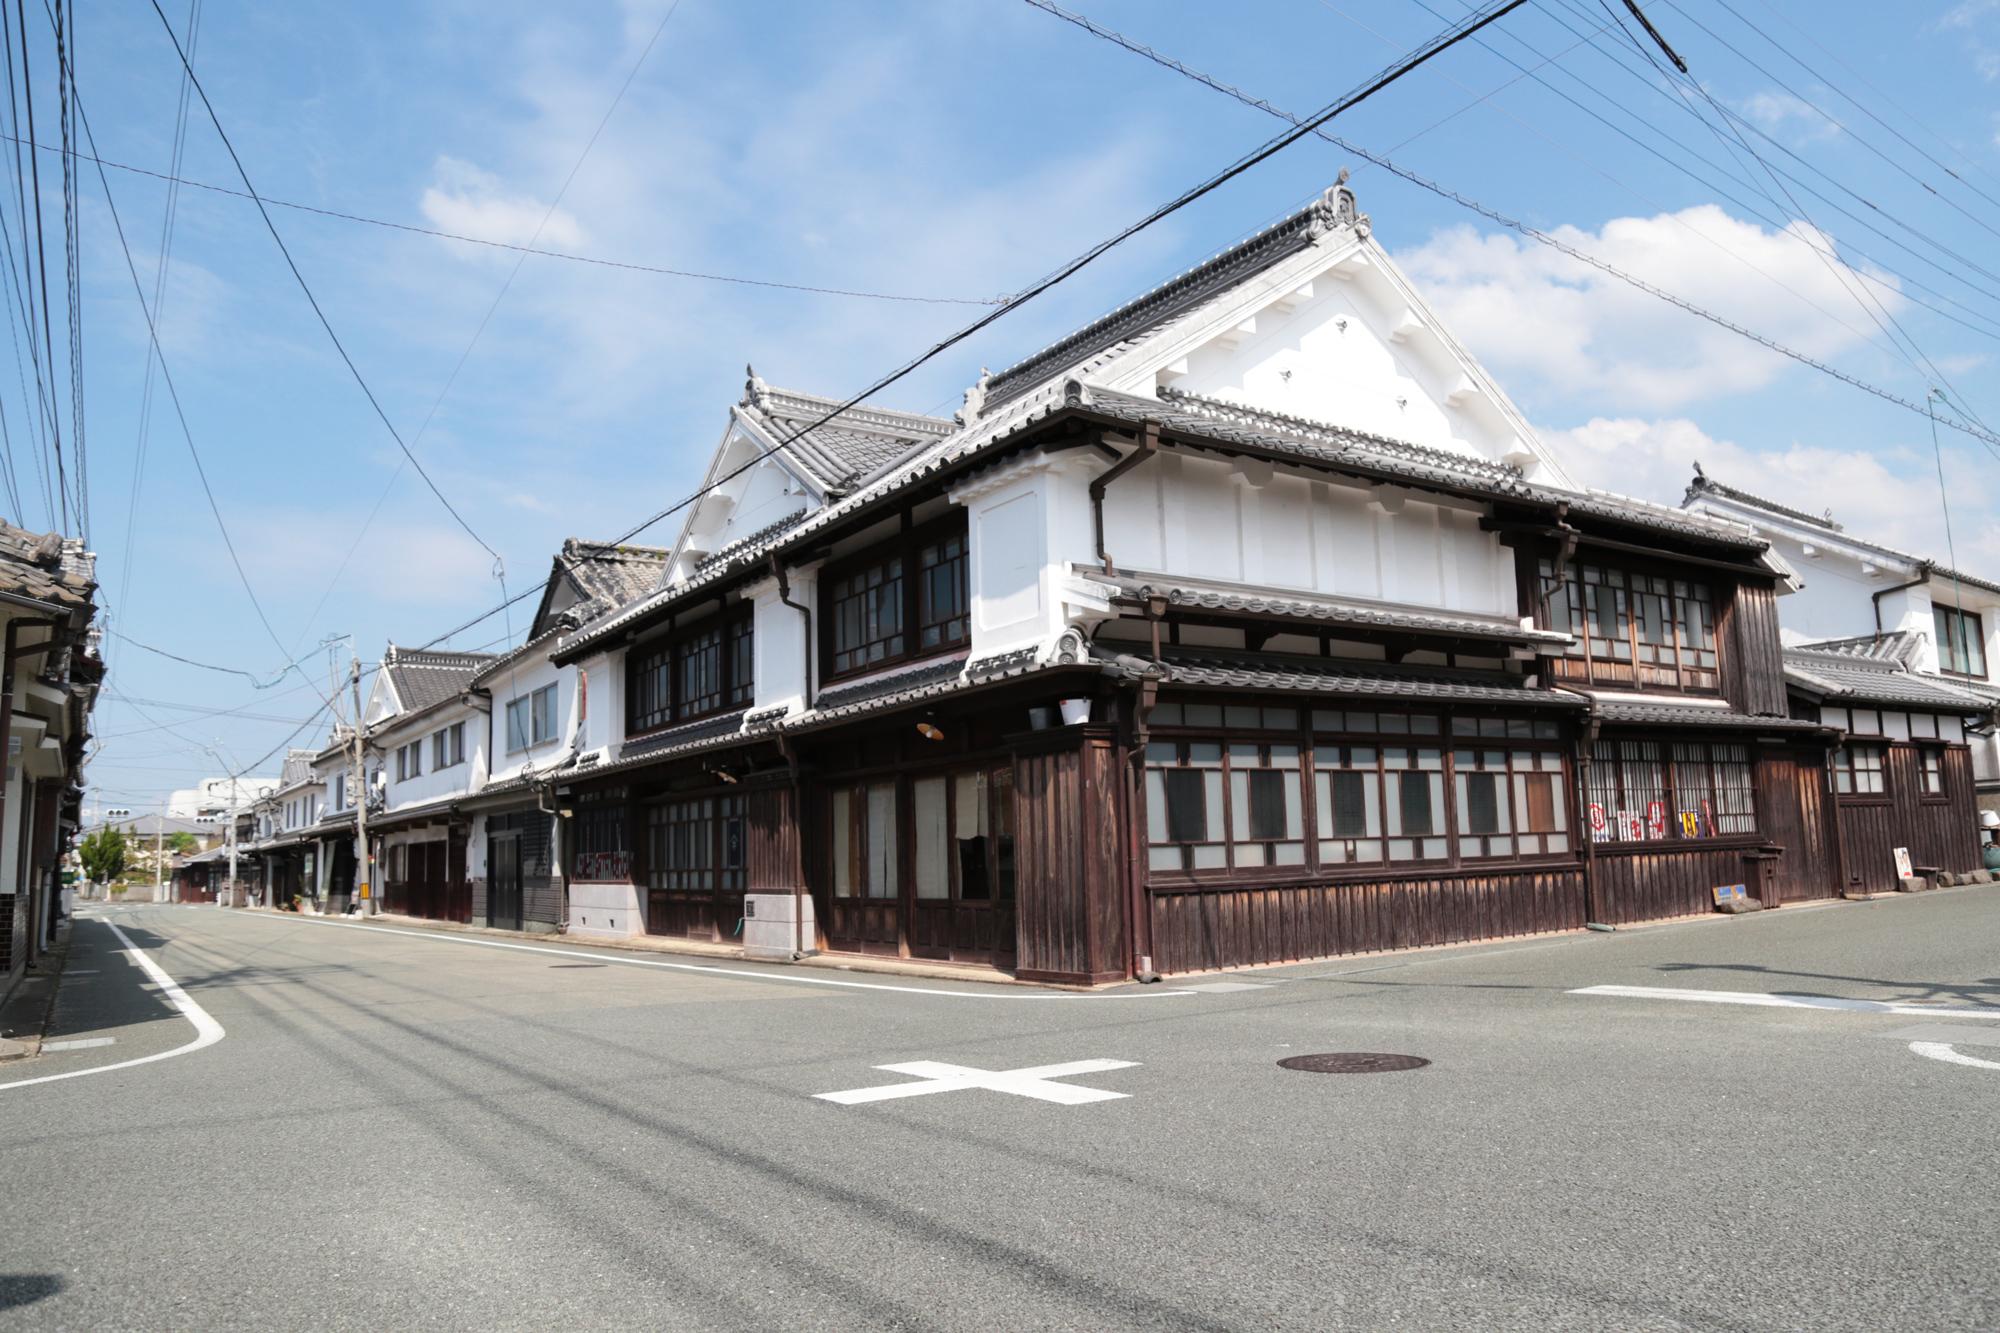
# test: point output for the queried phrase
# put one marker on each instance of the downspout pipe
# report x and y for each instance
(1923, 576)
(1149, 445)
(779, 573)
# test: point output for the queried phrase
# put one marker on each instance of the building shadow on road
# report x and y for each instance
(22, 1289)
(1984, 991)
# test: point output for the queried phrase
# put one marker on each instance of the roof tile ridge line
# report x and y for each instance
(1169, 394)
(806, 452)
(769, 397)
(1321, 209)
(1704, 484)
(1676, 512)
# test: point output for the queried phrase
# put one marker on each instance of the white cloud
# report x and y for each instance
(1780, 113)
(472, 202)
(1887, 495)
(1550, 324)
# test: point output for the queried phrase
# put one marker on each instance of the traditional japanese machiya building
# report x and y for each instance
(1928, 618)
(1251, 622)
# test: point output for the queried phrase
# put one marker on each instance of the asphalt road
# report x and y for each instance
(407, 1130)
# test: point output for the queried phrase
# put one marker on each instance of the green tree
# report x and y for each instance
(182, 843)
(103, 854)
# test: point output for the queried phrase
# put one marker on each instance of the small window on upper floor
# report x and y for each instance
(1632, 628)
(531, 719)
(1961, 641)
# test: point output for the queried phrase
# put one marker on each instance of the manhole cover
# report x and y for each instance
(1353, 1062)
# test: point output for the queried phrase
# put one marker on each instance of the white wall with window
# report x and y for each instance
(432, 755)
(535, 719)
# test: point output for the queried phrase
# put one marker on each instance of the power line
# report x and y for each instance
(159, 303)
(1450, 36)
(542, 252)
(1511, 223)
(42, 258)
(498, 297)
(306, 287)
(1443, 41)
(205, 666)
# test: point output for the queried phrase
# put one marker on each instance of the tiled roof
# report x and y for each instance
(749, 541)
(920, 685)
(1180, 295)
(1703, 484)
(1925, 565)
(423, 678)
(858, 443)
(1224, 669)
(298, 768)
(1652, 713)
(43, 567)
(611, 575)
(889, 682)
(1899, 646)
(1844, 676)
(727, 724)
(1139, 587)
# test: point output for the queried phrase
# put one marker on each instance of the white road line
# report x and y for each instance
(780, 977)
(1780, 1001)
(77, 1044)
(207, 1030)
(1940, 1050)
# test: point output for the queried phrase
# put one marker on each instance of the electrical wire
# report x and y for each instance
(1450, 36)
(541, 252)
(306, 288)
(42, 265)
(1511, 223)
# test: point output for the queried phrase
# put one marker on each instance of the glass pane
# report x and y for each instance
(928, 816)
(1268, 808)
(970, 834)
(1186, 809)
(1480, 792)
(882, 840)
(843, 845)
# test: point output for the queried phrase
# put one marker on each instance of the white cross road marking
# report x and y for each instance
(1031, 1082)
(1787, 1001)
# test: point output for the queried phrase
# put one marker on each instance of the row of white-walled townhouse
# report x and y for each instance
(1858, 596)
(50, 675)
(1249, 622)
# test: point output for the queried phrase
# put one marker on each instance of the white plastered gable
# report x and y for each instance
(1338, 334)
(768, 489)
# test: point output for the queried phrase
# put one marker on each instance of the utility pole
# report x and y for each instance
(159, 842)
(358, 789)
(233, 890)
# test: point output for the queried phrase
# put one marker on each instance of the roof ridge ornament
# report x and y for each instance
(754, 387)
(975, 399)
(1338, 209)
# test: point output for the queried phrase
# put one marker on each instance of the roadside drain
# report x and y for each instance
(1353, 1062)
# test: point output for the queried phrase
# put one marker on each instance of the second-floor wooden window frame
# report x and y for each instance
(1930, 774)
(1861, 769)
(904, 599)
(706, 669)
(1632, 626)
(1961, 641)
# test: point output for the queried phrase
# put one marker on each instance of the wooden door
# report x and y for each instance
(503, 881)
(860, 900)
(962, 866)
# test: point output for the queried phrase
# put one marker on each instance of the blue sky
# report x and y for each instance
(958, 151)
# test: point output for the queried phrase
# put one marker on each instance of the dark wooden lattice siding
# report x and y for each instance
(1797, 818)
(1653, 884)
(1068, 816)
(1943, 834)
(1200, 929)
(772, 856)
(1753, 663)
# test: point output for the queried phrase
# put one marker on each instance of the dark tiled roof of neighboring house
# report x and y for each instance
(1843, 676)
(858, 443)
(422, 678)
(1214, 668)
(1139, 587)
(1898, 646)
(1654, 713)
(1703, 484)
(44, 568)
(612, 575)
